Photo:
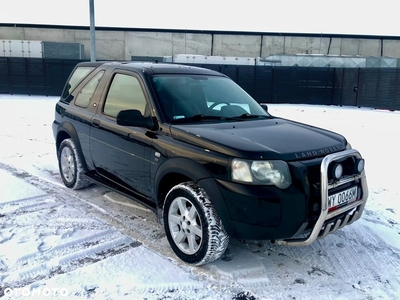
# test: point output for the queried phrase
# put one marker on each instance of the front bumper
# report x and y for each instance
(269, 213)
(329, 222)
(262, 212)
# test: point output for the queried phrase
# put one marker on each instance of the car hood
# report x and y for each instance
(261, 139)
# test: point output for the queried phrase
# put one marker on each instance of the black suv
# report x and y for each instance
(207, 158)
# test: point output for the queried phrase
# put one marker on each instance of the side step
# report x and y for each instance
(118, 188)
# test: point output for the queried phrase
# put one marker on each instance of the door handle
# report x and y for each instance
(96, 123)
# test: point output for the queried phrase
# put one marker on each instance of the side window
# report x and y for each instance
(79, 74)
(85, 95)
(125, 93)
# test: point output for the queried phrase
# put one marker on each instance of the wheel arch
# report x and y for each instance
(179, 170)
(175, 171)
(65, 131)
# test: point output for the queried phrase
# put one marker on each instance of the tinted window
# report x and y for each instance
(184, 96)
(85, 95)
(125, 93)
(77, 77)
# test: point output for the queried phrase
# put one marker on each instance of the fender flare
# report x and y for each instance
(181, 165)
(200, 175)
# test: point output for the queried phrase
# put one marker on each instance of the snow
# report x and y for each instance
(13, 188)
(96, 244)
(132, 277)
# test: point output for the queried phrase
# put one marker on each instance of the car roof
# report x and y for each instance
(154, 68)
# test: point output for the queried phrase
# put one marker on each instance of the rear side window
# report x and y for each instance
(79, 74)
(125, 93)
(85, 95)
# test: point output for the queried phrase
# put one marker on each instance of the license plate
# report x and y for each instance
(342, 198)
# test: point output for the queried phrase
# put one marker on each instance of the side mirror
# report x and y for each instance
(133, 117)
(265, 107)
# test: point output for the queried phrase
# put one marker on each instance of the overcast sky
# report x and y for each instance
(306, 16)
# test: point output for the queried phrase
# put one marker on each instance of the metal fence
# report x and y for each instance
(34, 76)
(363, 87)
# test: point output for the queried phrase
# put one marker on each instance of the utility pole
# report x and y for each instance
(92, 32)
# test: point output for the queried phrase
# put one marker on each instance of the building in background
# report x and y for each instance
(125, 43)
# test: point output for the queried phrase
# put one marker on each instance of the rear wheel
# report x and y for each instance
(70, 166)
(194, 230)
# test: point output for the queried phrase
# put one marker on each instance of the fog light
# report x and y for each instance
(337, 170)
(359, 165)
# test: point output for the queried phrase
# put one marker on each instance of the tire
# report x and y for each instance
(70, 166)
(193, 228)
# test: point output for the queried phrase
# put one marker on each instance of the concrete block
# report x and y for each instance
(350, 47)
(109, 50)
(370, 47)
(391, 48)
(148, 44)
(334, 48)
(272, 45)
(237, 45)
(306, 45)
(191, 43)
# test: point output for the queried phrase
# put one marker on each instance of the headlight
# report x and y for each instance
(273, 172)
(241, 171)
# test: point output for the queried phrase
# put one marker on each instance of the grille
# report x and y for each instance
(314, 179)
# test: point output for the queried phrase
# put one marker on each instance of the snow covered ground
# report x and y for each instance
(96, 244)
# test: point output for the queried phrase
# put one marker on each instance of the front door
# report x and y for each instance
(122, 153)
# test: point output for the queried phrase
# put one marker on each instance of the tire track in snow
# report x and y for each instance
(379, 264)
(343, 260)
(31, 204)
(29, 200)
(351, 256)
(68, 262)
(42, 237)
(66, 248)
(369, 259)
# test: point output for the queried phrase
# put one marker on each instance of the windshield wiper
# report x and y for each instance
(196, 118)
(249, 116)
(201, 117)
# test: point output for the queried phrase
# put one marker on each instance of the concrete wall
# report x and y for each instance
(362, 47)
(165, 43)
(391, 48)
(237, 45)
(121, 45)
(272, 45)
(306, 45)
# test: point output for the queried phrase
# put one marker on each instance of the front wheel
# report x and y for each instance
(194, 230)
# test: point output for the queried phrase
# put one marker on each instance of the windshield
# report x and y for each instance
(183, 98)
